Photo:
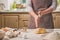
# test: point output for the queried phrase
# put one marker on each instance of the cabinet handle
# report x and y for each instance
(20, 18)
(54, 18)
(16, 20)
(25, 20)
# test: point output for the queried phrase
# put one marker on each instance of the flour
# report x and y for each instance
(52, 36)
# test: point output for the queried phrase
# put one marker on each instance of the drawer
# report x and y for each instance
(24, 17)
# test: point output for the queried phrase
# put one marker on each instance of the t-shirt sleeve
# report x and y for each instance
(29, 5)
(54, 4)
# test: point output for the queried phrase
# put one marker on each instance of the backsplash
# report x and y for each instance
(9, 3)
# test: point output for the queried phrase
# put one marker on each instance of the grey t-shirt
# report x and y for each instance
(29, 6)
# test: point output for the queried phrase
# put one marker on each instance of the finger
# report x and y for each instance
(38, 12)
(39, 15)
(36, 22)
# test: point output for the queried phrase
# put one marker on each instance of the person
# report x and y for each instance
(40, 12)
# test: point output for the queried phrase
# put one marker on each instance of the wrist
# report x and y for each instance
(35, 15)
(42, 13)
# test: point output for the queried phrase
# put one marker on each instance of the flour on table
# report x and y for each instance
(52, 36)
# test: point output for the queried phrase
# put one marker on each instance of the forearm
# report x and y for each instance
(47, 11)
(32, 13)
(51, 8)
(29, 8)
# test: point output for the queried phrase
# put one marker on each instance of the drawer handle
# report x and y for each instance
(25, 20)
(20, 18)
(54, 18)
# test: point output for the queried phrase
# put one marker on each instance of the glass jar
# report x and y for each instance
(25, 29)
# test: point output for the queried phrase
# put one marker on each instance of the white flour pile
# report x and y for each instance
(52, 36)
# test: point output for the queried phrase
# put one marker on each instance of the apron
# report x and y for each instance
(46, 21)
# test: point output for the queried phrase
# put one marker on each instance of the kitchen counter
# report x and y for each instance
(23, 17)
(32, 36)
(22, 10)
(56, 11)
(19, 11)
(16, 10)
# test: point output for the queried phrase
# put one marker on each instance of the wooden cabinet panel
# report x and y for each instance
(56, 20)
(14, 19)
(10, 21)
(0, 21)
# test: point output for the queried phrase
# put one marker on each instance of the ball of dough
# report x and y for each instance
(40, 31)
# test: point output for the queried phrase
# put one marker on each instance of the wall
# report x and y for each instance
(7, 3)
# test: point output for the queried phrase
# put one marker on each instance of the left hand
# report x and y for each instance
(37, 18)
(40, 13)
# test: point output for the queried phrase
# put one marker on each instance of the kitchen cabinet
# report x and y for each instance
(56, 19)
(14, 19)
(23, 20)
(10, 21)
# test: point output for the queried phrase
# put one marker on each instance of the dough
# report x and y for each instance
(40, 31)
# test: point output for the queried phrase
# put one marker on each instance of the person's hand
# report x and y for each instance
(37, 19)
(40, 13)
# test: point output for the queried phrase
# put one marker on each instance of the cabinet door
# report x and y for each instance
(10, 21)
(0, 20)
(56, 20)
